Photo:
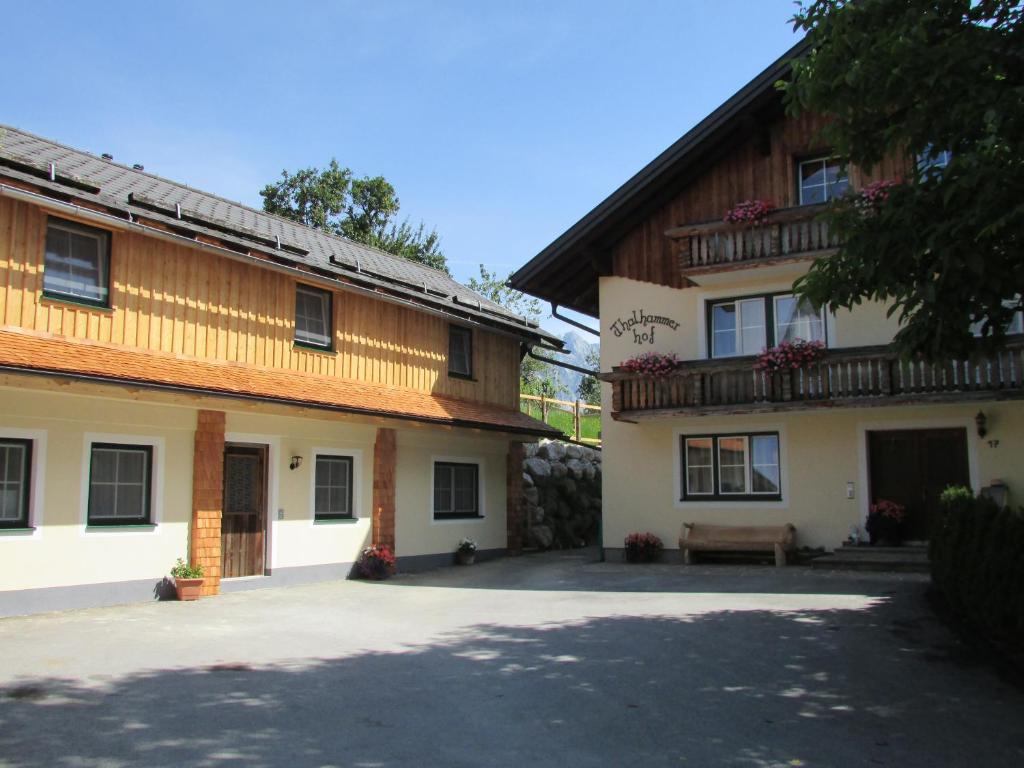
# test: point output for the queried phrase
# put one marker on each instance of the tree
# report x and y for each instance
(363, 210)
(535, 376)
(944, 247)
(589, 388)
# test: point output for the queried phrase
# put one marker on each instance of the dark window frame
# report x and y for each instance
(350, 460)
(824, 156)
(26, 491)
(329, 324)
(475, 514)
(769, 321)
(468, 332)
(105, 256)
(717, 495)
(147, 498)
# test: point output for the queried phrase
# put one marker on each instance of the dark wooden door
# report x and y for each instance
(244, 518)
(913, 466)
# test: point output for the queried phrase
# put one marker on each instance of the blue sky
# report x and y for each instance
(500, 124)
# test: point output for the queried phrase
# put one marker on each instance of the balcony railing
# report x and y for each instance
(788, 233)
(862, 376)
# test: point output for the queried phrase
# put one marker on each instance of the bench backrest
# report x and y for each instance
(705, 532)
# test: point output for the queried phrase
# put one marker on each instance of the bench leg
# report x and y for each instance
(780, 556)
(687, 559)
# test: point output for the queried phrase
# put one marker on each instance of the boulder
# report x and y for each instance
(527, 480)
(538, 468)
(558, 471)
(576, 468)
(541, 536)
(589, 472)
(529, 450)
(574, 451)
(532, 495)
(551, 450)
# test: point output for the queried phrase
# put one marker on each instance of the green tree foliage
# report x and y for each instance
(535, 376)
(589, 388)
(911, 77)
(363, 210)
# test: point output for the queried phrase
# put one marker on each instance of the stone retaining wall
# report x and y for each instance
(561, 495)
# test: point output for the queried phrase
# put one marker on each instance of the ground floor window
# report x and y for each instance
(120, 482)
(456, 490)
(734, 466)
(333, 488)
(15, 477)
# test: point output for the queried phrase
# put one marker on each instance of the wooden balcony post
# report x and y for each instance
(543, 409)
(576, 421)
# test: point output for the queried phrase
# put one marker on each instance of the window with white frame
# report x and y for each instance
(746, 325)
(734, 466)
(821, 179)
(77, 262)
(456, 490)
(312, 317)
(120, 484)
(1016, 325)
(333, 488)
(933, 158)
(15, 478)
(460, 351)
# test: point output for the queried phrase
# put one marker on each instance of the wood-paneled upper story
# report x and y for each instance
(171, 298)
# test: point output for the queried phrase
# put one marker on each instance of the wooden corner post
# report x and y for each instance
(385, 459)
(514, 498)
(207, 498)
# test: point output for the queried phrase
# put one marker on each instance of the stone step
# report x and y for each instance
(891, 559)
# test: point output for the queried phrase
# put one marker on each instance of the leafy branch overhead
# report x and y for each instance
(361, 209)
(913, 79)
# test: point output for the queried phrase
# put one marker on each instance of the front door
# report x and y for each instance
(245, 510)
(913, 466)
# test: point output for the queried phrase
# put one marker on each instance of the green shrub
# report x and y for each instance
(977, 563)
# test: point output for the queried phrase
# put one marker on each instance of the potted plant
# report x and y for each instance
(465, 554)
(376, 563)
(642, 548)
(651, 364)
(188, 580)
(749, 212)
(885, 522)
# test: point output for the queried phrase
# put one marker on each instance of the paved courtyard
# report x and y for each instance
(543, 660)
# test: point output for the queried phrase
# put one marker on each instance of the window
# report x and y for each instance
(119, 484)
(1016, 325)
(456, 490)
(312, 317)
(821, 179)
(15, 477)
(333, 488)
(933, 158)
(745, 326)
(460, 351)
(723, 467)
(77, 262)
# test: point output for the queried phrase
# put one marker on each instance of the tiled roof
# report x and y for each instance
(143, 193)
(43, 353)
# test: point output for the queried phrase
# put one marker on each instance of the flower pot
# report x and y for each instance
(465, 558)
(188, 589)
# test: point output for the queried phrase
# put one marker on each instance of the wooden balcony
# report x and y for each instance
(853, 377)
(789, 234)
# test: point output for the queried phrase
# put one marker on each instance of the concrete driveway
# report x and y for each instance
(537, 661)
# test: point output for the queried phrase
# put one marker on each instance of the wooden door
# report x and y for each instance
(244, 518)
(913, 466)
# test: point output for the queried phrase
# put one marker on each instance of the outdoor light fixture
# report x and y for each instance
(296, 462)
(981, 420)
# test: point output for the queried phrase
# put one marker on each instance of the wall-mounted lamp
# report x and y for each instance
(981, 420)
(296, 462)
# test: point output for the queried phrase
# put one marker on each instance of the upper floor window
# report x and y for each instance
(120, 481)
(933, 158)
(1016, 325)
(15, 475)
(77, 262)
(746, 326)
(460, 351)
(822, 179)
(333, 488)
(456, 490)
(312, 317)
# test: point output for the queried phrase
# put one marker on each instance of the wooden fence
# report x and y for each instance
(580, 412)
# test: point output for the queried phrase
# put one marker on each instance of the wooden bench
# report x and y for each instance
(702, 537)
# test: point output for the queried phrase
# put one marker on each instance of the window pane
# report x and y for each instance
(104, 466)
(699, 480)
(129, 501)
(465, 489)
(322, 501)
(797, 320)
(723, 330)
(75, 262)
(732, 463)
(752, 326)
(131, 467)
(838, 182)
(12, 461)
(460, 341)
(312, 324)
(323, 471)
(812, 173)
(442, 488)
(101, 500)
(119, 483)
(765, 461)
(10, 502)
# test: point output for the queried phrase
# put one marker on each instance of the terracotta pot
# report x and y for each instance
(188, 589)
(465, 558)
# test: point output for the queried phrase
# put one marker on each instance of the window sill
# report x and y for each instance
(456, 518)
(461, 376)
(335, 521)
(733, 498)
(303, 346)
(120, 527)
(53, 298)
(25, 530)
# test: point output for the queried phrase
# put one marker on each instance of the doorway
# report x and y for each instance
(244, 519)
(913, 467)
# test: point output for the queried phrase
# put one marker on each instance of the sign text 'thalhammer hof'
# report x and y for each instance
(642, 326)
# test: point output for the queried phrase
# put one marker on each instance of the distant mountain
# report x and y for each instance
(578, 347)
